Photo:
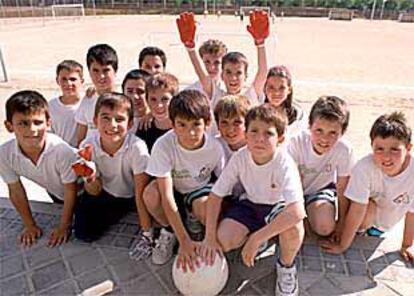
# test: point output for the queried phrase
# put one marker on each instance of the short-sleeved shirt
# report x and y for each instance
(118, 171)
(151, 135)
(52, 170)
(277, 180)
(394, 196)
(86, 112)
(190, 170)
(63, 120)
(318, 171)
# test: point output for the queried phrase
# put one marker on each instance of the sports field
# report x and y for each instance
(368, 63)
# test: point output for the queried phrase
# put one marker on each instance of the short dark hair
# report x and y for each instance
(269, 114)
(230, 106)
(70, 65)
(113, 100)
(190, 104)
(136, 74)
(152, 51)
(391, 125)
(331, 108)
(163, 80)
(103, 54)
(235, 57)
(26, 102)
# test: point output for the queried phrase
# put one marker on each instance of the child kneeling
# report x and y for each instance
(271, 206)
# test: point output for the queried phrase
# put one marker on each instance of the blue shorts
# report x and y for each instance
(327, 194)
(252, 215)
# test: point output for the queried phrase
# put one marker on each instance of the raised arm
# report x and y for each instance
(187, 27)
(259, 29)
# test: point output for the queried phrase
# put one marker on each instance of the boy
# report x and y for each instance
(211, 53)
(229, 115)
(160, 89)
(324, 160)
(152, 59)
(120, 159)
(234, 64)
(41, 157)
(102, 62)
(183, 162)
(133, 86)
(381, 188)
(272, 205)
(69, 77)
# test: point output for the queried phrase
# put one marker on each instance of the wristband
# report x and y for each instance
(260, 45)
(189, 49)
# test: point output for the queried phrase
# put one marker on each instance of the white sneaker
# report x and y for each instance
(143, 248)
(164, 245)
(287, 283)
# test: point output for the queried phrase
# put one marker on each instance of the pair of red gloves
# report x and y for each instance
(85, 167)
(258, 27)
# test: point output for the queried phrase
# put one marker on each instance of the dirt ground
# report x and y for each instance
(368, 63)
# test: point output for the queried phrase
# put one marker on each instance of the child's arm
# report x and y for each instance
(187, 251)
(61, 233)
(142, 180)
(187, 27)
(407, 250)
(259, 29)
(81, 131)
(292, 215)
(18, 198)
(343, 205)
(353, 220)
(210, 245)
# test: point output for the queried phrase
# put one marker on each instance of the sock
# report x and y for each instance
(285, 266)
(169, 229)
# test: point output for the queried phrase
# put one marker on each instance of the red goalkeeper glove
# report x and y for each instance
(187, 27)
(259, 26)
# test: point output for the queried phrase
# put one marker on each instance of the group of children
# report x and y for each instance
(244, 163)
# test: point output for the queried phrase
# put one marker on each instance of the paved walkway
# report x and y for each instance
(370, 267)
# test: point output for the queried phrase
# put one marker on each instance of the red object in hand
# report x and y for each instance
(186, 27)
(81, 167)
(259, 26)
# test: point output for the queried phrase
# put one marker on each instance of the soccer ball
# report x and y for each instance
(206, 280)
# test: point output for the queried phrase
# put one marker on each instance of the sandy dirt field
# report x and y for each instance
(368, 63)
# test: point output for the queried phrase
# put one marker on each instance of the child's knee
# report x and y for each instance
(323, 227)
(321, 217)
(199, 209)
(231, 236)
(151, 196)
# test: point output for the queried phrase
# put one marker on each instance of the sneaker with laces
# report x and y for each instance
(143, 248)
(164, 246)
(287, 283)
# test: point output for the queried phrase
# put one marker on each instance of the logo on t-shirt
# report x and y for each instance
(402, 199)
(204, 174)
(180, 174)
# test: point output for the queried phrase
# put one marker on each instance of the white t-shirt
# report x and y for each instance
(86, 112)
(318, 171)
(394, 196)
(63, 120)
(117, 171)
(268, 184)
(299, 125)
(52, 171)
(190, 169)
(226, 149)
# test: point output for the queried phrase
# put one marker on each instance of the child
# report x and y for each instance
(41, 157)
(133, 86)
(102, 62)
(381, 188)
(229, 115)
(279, 92)
(234, 64)
(183, 162)
(152, 59)
(325, 161)
(272, 205)
(120, 159)
(211, 53)
(69, 77)
(160, 89)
